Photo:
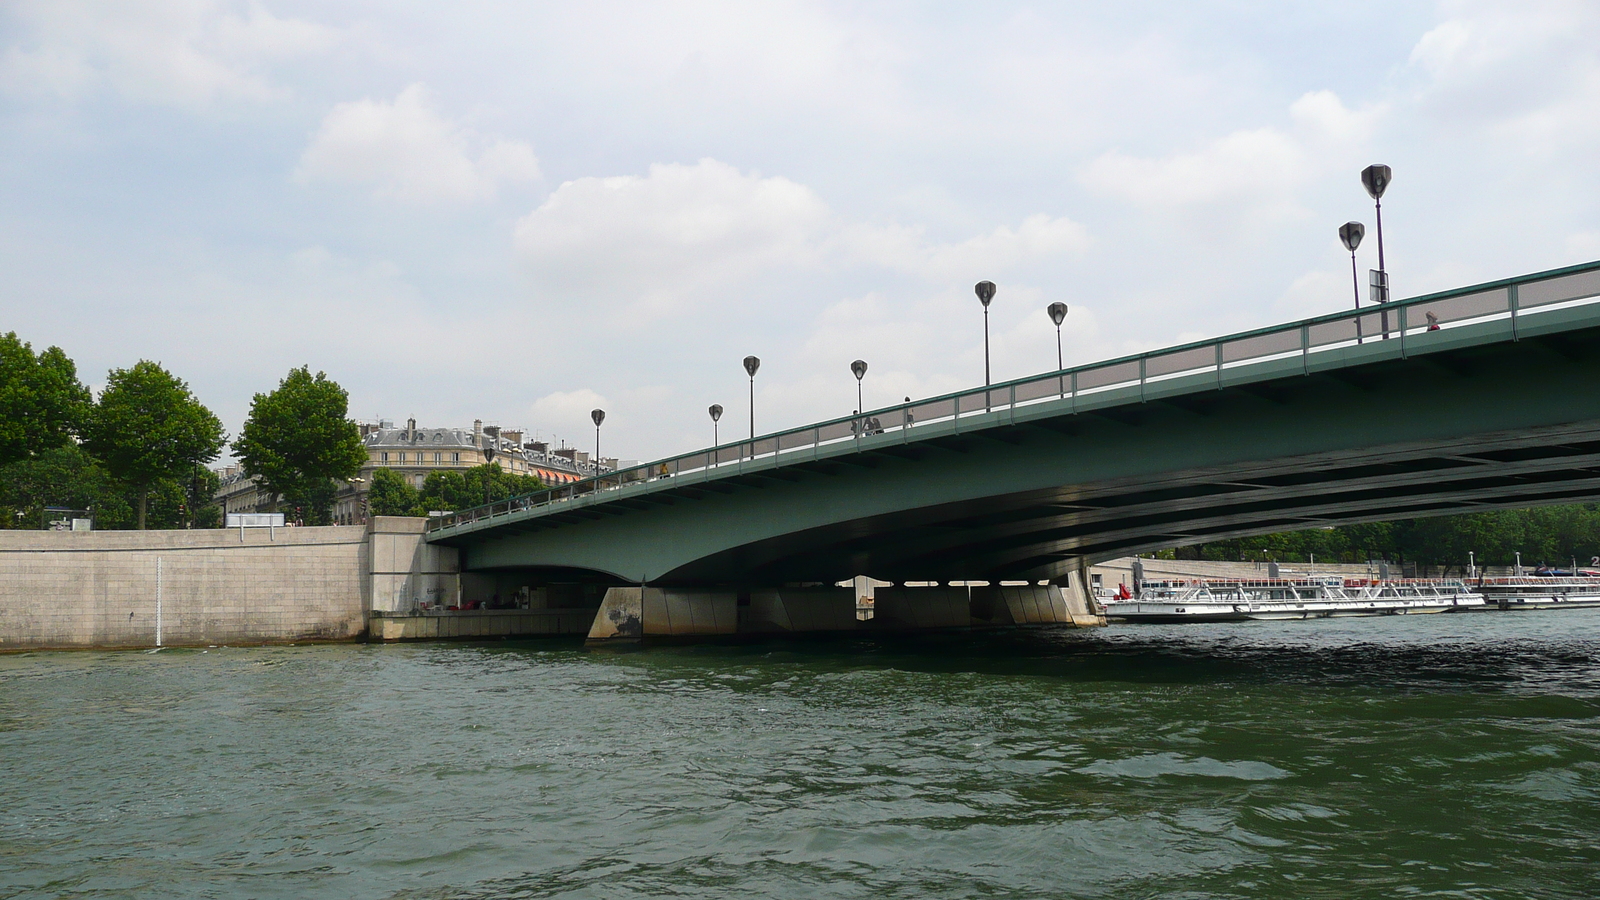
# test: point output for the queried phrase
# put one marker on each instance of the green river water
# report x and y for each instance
(1420, 756)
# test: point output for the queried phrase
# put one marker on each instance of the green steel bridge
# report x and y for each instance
(1482, 397)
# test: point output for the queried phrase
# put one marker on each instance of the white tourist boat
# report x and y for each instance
(1539, 592)
(1225, 600)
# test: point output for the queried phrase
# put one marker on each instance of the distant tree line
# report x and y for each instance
(1553, 535)
(137, 455)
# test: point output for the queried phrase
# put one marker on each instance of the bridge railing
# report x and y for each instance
(1414, 323)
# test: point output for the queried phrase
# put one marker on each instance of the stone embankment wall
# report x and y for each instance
(213, 586)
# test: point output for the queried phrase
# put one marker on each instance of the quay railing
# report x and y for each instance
(1416, 324)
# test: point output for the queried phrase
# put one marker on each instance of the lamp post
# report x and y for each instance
(859, 368)
(1350, 234)
(716, 416)
(488, 457)
(985, 292)
(598, 416)
(751, 364)
(1058, 314)
(1375, 179)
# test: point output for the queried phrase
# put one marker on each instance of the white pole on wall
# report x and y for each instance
(158, 601)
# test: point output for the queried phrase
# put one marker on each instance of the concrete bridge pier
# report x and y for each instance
(633, 614)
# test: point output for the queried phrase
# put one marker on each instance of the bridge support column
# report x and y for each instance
(632, 614)
(620, 619)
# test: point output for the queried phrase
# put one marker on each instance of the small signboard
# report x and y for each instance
(254, 520)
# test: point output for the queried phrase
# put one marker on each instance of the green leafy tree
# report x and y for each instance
(465, 488)
(147, 428)
(69, 477)
(299, 443)
(391, 495)
(42, 403)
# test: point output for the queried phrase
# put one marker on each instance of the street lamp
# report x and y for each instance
(985, 291)
(751, 364)
(716, 416)
(859, 367)
(488, 457)
(1375, 179)
(598, 416)
(1058, 314)
(1350, 234)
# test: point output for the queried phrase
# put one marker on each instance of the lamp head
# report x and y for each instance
(860, 368)
(985, 291)
(716, 412)
(598, 415)
(751, 364)
(1350, 234)
(1375, 179)
(1058, 312)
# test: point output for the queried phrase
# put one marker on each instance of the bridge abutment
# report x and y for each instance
(630, 615)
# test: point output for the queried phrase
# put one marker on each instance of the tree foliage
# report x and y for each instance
(69, 477)
(453, 489)
(390, 494)
(1547, 534)
(42, 403)
(299, 443)
(147, 428)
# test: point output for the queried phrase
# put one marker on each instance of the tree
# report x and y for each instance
(391, 495)
(147, 428)
(42, 403)
(298, 442)
(466, 488)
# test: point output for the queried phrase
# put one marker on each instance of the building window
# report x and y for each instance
(436, 459)
(385, 455)
(455, 457)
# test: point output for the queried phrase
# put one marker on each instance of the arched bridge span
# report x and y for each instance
(1338, 419)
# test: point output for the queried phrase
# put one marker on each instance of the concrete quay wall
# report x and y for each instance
(109, 589)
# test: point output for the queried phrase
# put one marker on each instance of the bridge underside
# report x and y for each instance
(1508, 424)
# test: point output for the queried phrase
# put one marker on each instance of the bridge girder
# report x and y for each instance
(1500, 423)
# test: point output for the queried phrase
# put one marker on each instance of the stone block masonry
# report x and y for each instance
(212, 586)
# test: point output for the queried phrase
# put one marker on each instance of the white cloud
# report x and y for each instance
(658, 238)
(1258, 169)
(656, 241)
(189, 53)
(1527, 74)
(568, 413)
(409, 152)
(1039, 236)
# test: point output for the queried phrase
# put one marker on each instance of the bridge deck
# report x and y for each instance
(1544, 305)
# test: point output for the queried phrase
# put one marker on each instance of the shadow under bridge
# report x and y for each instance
(1492, 401)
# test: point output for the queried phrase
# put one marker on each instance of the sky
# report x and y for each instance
(519, 212)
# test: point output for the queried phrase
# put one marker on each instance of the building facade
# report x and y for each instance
(415, 452)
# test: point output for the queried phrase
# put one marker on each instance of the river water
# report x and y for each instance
(1427, 756)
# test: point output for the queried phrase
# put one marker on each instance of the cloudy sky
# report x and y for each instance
(520, 211)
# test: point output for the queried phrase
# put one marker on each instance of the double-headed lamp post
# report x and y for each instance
(598, 416)
(1058, 314)
(716, 416)
(859, 369)
(1350, 234)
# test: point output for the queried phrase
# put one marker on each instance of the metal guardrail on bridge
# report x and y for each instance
(1511, 301)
